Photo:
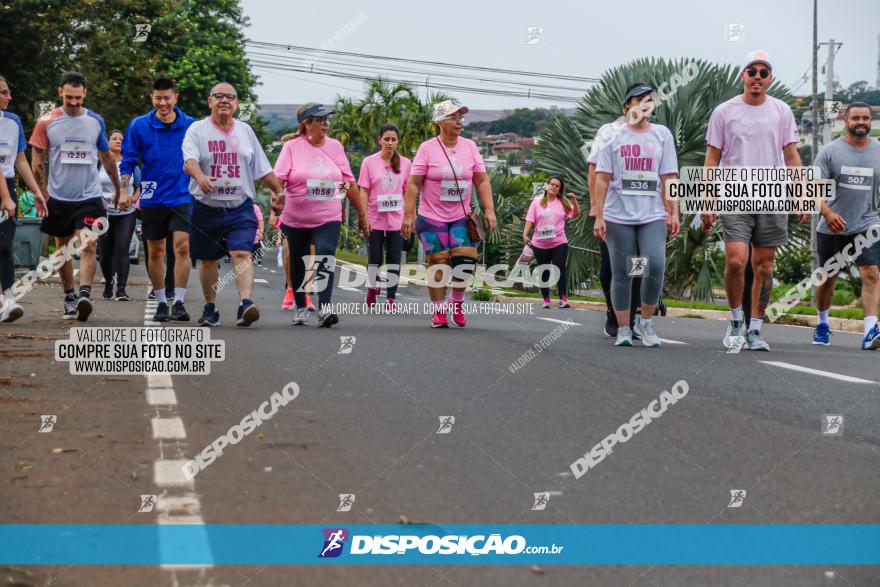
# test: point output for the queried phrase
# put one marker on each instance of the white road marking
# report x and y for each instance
(168, 474)
(559, 321)
(258, 280)
(349, 288)
(668, 341)
(818, 372)
(168, 428)
(161, 396)
(159, 380)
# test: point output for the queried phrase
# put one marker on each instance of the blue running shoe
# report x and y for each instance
(822, 335)
(210, 316)
(247, 313)
(871, 342)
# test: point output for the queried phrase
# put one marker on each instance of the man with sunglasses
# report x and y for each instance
(154, 142)
(223, 158)
(751, 130)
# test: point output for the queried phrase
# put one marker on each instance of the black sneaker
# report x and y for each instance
(210, 316)
(247, 313)
(179, 313)
(610, 324)
(121, 296)
(83, 309)
(161, 314)
(151, 295)
(70, 309)
(327, 319)
(108, 290)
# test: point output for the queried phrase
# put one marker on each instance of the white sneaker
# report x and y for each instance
(735, 335)
(11, 311)
(624, 336)
(645, 329)
(300, 316)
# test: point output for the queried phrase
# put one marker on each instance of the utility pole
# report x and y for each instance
(829, 90)
(814, 134)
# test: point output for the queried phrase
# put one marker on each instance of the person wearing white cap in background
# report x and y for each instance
(442, 171)
(751, 130)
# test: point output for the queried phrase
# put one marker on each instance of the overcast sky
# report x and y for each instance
(580, 38)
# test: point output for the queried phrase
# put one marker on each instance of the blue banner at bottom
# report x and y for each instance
(474, 544)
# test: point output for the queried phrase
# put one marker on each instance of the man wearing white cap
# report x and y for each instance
(751, 130)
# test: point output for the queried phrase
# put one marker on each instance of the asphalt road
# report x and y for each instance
(366, 423)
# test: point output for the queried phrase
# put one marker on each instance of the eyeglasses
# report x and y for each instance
(456, 117)
(753, 71)
(321, 119)
(219, 96)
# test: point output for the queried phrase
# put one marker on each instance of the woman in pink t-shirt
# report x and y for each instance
(316, 176)
(547, 215)
(443, 170)
(383, 182)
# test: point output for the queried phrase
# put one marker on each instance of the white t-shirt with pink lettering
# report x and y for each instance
(386, 189)
(440, 198)
(234, 160)
(549, 223)
(313, 174)
(752, 135)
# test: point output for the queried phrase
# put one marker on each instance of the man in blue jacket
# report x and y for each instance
(155, 141)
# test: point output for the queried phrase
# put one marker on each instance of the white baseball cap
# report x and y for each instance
(447, 108)
(758, 56)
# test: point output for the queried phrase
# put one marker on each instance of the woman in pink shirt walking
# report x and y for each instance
(383, 182)
(547, 215)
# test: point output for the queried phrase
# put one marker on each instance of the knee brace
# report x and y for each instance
(463, 265)
(441, 258)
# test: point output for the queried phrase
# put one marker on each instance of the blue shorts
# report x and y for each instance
(438, 236)
(216, 231)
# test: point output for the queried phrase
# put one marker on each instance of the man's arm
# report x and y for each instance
(712, 159)
(40, 167)
(192, 169)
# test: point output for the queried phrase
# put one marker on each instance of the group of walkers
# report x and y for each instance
(192, 183)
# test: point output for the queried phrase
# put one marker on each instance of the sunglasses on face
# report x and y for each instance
(764, 73)
(321, 120)
(229, 97)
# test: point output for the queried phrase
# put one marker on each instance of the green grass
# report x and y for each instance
(349, 257)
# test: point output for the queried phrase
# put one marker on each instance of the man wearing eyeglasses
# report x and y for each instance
(751, 130)
(154, 142)
(223, 158)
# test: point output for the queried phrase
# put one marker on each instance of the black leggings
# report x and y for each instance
(113, 247)
(325, 238)
(605, 280)
(378, 240)
(7, 237)
(169, 261)
(557, 256)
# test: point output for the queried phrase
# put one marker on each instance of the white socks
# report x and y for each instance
(870, 322)
(823, 316)
(755, 324)
(179, 294)
(736, 314)
(160, 295)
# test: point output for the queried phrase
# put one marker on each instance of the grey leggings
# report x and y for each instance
(623, 240)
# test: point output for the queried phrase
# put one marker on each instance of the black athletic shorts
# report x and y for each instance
(65, 218)
(158, 222)
(828, 245)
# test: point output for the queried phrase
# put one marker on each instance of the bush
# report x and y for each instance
(483, 294)
(793, 266)
(842, 298)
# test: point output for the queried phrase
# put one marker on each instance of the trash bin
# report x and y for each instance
(27, 244)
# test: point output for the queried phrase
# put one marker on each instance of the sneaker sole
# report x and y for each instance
(179, 318)
(439, 325)
(817, 343)
(248, 317)
(208, 323)
(875, 344)
(328, 321)
(624, 343)
(14, 315)
(83, 310)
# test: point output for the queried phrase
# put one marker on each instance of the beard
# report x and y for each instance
(859, 131)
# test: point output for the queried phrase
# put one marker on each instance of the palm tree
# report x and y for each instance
(686, 113)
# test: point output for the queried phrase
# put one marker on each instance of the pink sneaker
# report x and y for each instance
(458, 316)
(438, 320)
(390, 305)
(563, 302)
(372, 294)
(288, 299)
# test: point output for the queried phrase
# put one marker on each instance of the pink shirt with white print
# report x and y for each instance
(440, 199)
(386, 189)
(549, 223)
(312, 174)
